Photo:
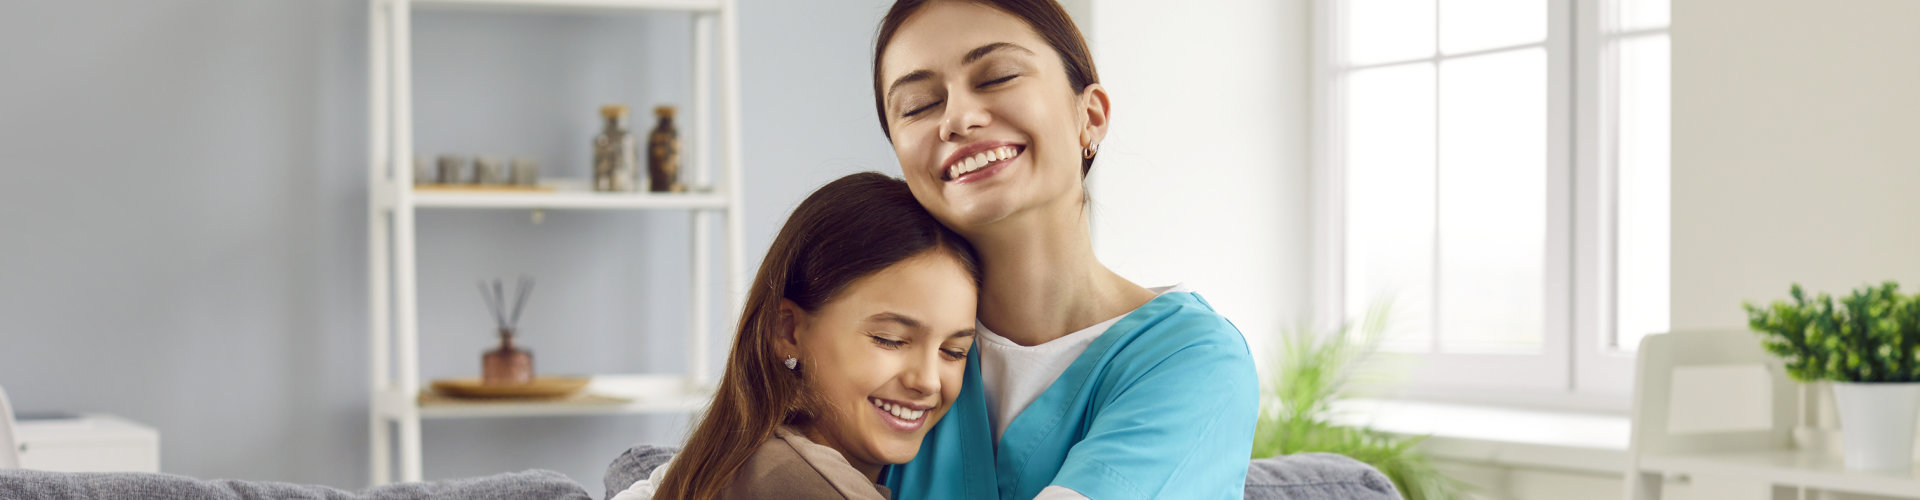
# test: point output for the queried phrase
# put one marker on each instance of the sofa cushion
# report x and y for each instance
(1307, 476)
(634, 465)
(1316, 476)
(23, 484)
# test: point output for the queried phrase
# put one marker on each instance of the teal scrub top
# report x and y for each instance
(1162, 405)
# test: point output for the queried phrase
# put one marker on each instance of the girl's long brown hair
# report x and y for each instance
(852, 227)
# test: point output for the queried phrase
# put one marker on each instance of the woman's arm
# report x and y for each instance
(1184, 429)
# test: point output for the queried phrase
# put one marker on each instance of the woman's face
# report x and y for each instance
(886, 357)
(982, 117)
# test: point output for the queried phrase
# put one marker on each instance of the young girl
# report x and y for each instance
(852, 345)
(1086, 385)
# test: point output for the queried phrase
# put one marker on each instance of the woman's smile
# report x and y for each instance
(979, 161)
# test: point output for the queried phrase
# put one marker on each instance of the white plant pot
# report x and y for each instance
(1877, 421)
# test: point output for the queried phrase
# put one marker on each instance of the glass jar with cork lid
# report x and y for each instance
(616, 162)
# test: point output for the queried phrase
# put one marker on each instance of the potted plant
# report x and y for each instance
(1312, 371)
(1868, 346)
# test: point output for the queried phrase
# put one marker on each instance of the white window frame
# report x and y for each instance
(1577, 367)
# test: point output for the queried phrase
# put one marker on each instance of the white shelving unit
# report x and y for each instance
(1716, 414)
(394, 333)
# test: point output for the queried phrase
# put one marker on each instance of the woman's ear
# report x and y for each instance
(788, 324)
(1093, 100)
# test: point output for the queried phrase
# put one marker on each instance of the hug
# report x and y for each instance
(865, 367)
(945, 330)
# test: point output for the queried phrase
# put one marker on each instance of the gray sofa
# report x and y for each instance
(1297, 477)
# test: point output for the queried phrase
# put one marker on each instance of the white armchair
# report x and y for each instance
(9, 449)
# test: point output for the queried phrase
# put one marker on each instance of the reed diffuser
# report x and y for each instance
(506, 365)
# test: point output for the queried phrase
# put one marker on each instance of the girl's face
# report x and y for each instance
(886, 357)
(982, 117)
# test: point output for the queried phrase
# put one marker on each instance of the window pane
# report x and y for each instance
(1493, 203)
(1641, 14)
(1469, 25)
(1643, 207)
(1389, 198)
(1388, 30)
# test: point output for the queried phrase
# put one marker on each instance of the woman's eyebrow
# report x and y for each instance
(909, 78)
(983, 50)
(972, 55)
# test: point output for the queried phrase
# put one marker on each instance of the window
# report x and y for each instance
(1497, 171)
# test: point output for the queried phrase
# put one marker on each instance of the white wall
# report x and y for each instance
(1203, 176)
(183, 215)
(1796, 151)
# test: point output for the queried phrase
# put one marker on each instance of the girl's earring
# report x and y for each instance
(1088, 152)
(793, 363)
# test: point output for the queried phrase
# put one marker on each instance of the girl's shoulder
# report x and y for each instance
(790, 466)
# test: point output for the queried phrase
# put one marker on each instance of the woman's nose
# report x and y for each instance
(964, 114)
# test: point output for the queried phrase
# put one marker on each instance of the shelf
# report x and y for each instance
(605, 395)
(1504, 436)
(574, 6)
(714, 233)
(1802, 468)
(569, 197)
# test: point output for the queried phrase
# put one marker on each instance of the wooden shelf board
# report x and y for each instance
(561, 195)
(605, 395)
(564, 6)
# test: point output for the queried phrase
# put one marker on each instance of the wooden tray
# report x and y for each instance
(540, 387)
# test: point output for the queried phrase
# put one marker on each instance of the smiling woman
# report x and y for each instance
(852, 346)
(1086, 385)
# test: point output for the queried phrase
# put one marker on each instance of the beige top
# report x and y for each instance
(791, 466)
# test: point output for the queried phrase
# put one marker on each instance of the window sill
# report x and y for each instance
(1584, 442)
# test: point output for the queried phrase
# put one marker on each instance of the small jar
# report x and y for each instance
(488, 171)
(421, 175)
(616, 166)
(663, 153)
(526, 172)
(449, 169)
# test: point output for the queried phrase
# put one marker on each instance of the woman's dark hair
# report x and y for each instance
(848, 229)
(1046, 17)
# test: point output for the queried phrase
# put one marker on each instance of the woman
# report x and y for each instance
(851, 346)
(1087, 385)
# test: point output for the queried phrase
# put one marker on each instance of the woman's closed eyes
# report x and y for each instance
(915, 108)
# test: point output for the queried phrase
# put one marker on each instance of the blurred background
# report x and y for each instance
(1535, 185)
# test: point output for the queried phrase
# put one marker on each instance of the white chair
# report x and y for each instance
(9, 449)
(1705, 393)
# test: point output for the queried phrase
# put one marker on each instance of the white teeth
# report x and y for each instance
(898, 411)
(977, 161)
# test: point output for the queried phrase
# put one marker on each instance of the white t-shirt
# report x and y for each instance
(1015, 375)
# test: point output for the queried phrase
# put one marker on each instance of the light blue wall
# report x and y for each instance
(183, 214)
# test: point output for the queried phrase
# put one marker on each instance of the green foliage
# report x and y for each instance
(1314, 370)
(1872, 335)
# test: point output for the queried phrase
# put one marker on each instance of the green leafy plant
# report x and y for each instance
(1872, 335)
(1313, 370)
